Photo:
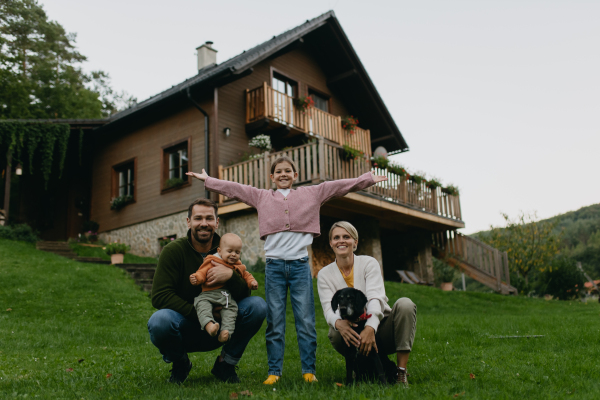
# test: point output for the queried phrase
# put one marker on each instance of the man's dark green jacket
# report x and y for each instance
(171, 288)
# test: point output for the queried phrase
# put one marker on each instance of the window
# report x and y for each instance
(321, 101)
(123, 179)
(176, 162)
(284, 84)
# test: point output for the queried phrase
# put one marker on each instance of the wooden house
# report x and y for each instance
(207, 122)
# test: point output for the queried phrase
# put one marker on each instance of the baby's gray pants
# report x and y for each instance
(205, 302)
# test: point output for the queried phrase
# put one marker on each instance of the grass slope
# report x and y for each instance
(92, 318)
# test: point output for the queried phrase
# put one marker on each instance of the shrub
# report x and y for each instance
(563, 279)
(22, 232)
(117, 248)
(90, 226)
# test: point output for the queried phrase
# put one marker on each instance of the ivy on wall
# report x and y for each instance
(33, 140)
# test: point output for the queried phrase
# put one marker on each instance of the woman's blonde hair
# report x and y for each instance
(349, 228)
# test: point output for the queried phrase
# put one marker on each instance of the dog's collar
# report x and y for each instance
(364, 316)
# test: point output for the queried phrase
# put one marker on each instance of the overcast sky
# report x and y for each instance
(501, 98)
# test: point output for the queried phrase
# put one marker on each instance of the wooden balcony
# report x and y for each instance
(279, 109)
(321, 161)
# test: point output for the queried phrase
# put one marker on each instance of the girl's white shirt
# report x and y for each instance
(287, 245)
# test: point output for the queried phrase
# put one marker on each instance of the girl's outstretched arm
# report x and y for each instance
(196, 175)
(244, 193)
(341, 187)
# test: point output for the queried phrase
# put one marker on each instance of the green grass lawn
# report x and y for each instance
(89, 251)
(78, 330)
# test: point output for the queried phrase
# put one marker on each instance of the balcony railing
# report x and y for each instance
(320, 161)
(266, 102)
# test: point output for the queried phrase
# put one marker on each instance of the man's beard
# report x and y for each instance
(196, 234)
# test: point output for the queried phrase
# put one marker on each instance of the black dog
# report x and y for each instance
(352, 305)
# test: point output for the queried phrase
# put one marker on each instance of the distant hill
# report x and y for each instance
(580, 238)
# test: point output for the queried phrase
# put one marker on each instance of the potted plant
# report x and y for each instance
(433, 184)
(444, 274)
(450, 190)
(174, 182)
(261, 142)
(418, 179)
(119, 202)
(350, 153)
(117, 251)
(349, 124)
(397, 169)
(304, 103)
(380, 162)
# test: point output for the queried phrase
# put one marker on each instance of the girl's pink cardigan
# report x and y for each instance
(298, 212)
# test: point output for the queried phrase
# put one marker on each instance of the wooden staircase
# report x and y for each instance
(476, 259)
(143, 274)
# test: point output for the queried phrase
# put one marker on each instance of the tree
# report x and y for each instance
(40, 69)
(530, 244)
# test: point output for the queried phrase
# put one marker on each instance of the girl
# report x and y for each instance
(288, 220)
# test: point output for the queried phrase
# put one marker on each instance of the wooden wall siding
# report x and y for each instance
(298, 65)
(320, 161)
(146, 145)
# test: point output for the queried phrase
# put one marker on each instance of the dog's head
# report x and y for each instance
(351, 303)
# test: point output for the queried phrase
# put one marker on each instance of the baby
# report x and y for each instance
(228, 254)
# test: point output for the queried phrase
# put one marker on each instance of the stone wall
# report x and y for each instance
(245, 225)
(143, 237)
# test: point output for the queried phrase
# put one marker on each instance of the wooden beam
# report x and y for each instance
(340, 77)
(381, 139)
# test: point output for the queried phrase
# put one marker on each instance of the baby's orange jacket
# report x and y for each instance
(207, 264)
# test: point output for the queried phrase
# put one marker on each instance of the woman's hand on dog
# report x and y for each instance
(367, 341)
(344, 327)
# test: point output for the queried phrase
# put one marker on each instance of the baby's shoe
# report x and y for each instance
(309, 378)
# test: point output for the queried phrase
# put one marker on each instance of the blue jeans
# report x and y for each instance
(176, 335)
(295, 274)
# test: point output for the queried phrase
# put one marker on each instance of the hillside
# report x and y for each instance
(580, 236)
(71, 330)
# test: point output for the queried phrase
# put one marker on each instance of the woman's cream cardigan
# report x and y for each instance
(367, 279)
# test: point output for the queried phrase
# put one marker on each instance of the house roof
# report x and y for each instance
(346, 68)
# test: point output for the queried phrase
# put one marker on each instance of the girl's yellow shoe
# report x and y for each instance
(271, 379)
(309, 378)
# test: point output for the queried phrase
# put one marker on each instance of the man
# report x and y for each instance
(174, 328)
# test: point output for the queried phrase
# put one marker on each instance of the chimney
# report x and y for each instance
(206, 55)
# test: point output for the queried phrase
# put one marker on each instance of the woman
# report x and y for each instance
(388, 330)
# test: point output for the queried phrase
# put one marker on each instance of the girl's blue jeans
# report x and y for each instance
(295, 275)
